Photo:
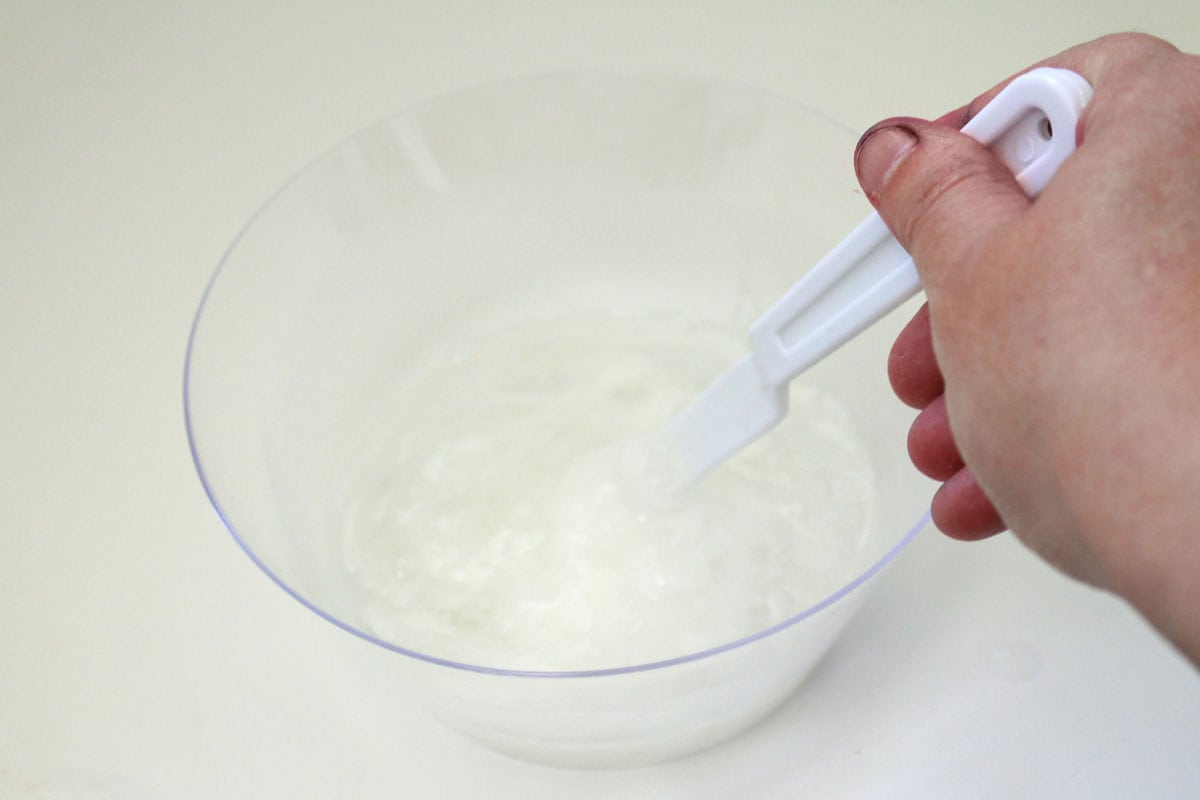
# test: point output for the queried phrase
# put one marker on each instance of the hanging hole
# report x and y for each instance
(1045, 129)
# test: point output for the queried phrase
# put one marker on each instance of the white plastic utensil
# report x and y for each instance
(1029, 125)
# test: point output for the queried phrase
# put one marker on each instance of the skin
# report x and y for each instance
(1056, 364)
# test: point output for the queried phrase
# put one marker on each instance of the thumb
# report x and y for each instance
(940, 192)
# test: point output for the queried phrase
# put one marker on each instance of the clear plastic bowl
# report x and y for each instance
(641, 192)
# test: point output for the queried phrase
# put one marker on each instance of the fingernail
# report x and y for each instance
(879, 152)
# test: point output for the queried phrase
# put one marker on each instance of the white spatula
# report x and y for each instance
(1029, 125)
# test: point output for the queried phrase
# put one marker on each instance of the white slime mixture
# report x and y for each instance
(501, 520)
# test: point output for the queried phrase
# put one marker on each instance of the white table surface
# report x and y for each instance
(142, 655)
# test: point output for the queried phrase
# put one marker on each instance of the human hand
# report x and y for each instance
(1057, 361)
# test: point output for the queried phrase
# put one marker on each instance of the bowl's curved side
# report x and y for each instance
(615, 189)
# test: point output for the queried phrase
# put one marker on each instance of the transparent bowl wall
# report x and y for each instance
(632, 193)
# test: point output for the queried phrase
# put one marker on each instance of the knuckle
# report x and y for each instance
(1135, 44)
(936, 196)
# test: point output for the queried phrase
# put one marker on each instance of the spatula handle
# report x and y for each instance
(1029, 125)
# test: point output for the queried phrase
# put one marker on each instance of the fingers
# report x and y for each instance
(942, 194)
(931, 445)
(961, 510)
(961, 215)
(912, 367)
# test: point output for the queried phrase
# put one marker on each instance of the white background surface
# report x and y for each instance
(142, 655)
